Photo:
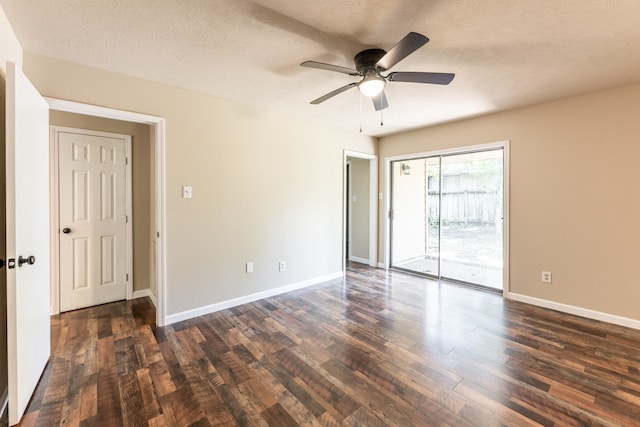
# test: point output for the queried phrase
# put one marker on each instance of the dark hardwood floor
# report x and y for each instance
(379, 348)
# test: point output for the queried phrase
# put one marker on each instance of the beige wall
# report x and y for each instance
(573, 196)
(360, 208)
(10, 50)
(141, 182)
(255, 198)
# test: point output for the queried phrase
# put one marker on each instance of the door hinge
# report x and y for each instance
(126, 219)
(390, 213)
(126, 160)
(158, 234)
(127, 277)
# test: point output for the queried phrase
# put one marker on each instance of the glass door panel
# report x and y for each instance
(415, 215)
(471, 218)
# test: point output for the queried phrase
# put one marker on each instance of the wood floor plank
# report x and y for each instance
(324, 388)
(183, 405)
(71, 404)
(89, 399)
(276, 415)
(379, 348)
(109, 403)
(131, 400)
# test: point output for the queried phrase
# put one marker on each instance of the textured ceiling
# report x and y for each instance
(505, 53)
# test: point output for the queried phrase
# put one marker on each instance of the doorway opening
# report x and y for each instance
(156, 225)
(447, 216)
(360, 214)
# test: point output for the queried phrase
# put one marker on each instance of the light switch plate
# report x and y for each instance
(186, 192)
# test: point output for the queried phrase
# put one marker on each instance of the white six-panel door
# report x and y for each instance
(93, 218)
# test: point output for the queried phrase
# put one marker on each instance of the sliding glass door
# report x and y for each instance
(447, 216)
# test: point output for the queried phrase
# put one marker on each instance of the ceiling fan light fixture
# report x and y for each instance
(372, 84)
(370, 63)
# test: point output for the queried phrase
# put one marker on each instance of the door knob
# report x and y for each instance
(28, 260)
(66, 230)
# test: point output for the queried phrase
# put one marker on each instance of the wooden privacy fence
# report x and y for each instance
(465, 207)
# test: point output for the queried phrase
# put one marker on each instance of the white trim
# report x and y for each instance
(448, 151)
(506, 236)
(382, 265)
(55, 208)
(159, 125)
(504, 145)
(349, 208)
(161, 247)
(373, 205)
(212, 308)
(53, 223)
(577, 311)
(129, 223)
(358, 259)
(373, 211)
(386, 253)
(98, 111)
(145, 293)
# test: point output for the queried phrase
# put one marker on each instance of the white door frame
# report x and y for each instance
(158, 123)
(55, 209)
(349, 211)
(504, 145)
(373, 205)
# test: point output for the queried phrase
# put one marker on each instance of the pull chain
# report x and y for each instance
(361, 113)
(381, 118)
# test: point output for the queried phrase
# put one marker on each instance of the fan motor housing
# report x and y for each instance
(367, 59)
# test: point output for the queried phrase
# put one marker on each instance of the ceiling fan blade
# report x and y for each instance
(380, 101)
(333, 93)
(405, 47)
(329, 67)
(418, 77)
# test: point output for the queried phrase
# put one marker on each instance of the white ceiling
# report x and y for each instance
(505, 53)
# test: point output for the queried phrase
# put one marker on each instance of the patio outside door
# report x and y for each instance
(447, 216)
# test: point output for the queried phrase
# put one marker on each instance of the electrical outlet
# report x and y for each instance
(281, 266)
(249, 267)
(546, 277)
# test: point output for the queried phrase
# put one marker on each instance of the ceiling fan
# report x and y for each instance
(371, 63)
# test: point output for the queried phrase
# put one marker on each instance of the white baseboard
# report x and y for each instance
(578, 311)
(382, 265)
(146, 293)
(5, 402)
(212, 308)
(358, 259)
